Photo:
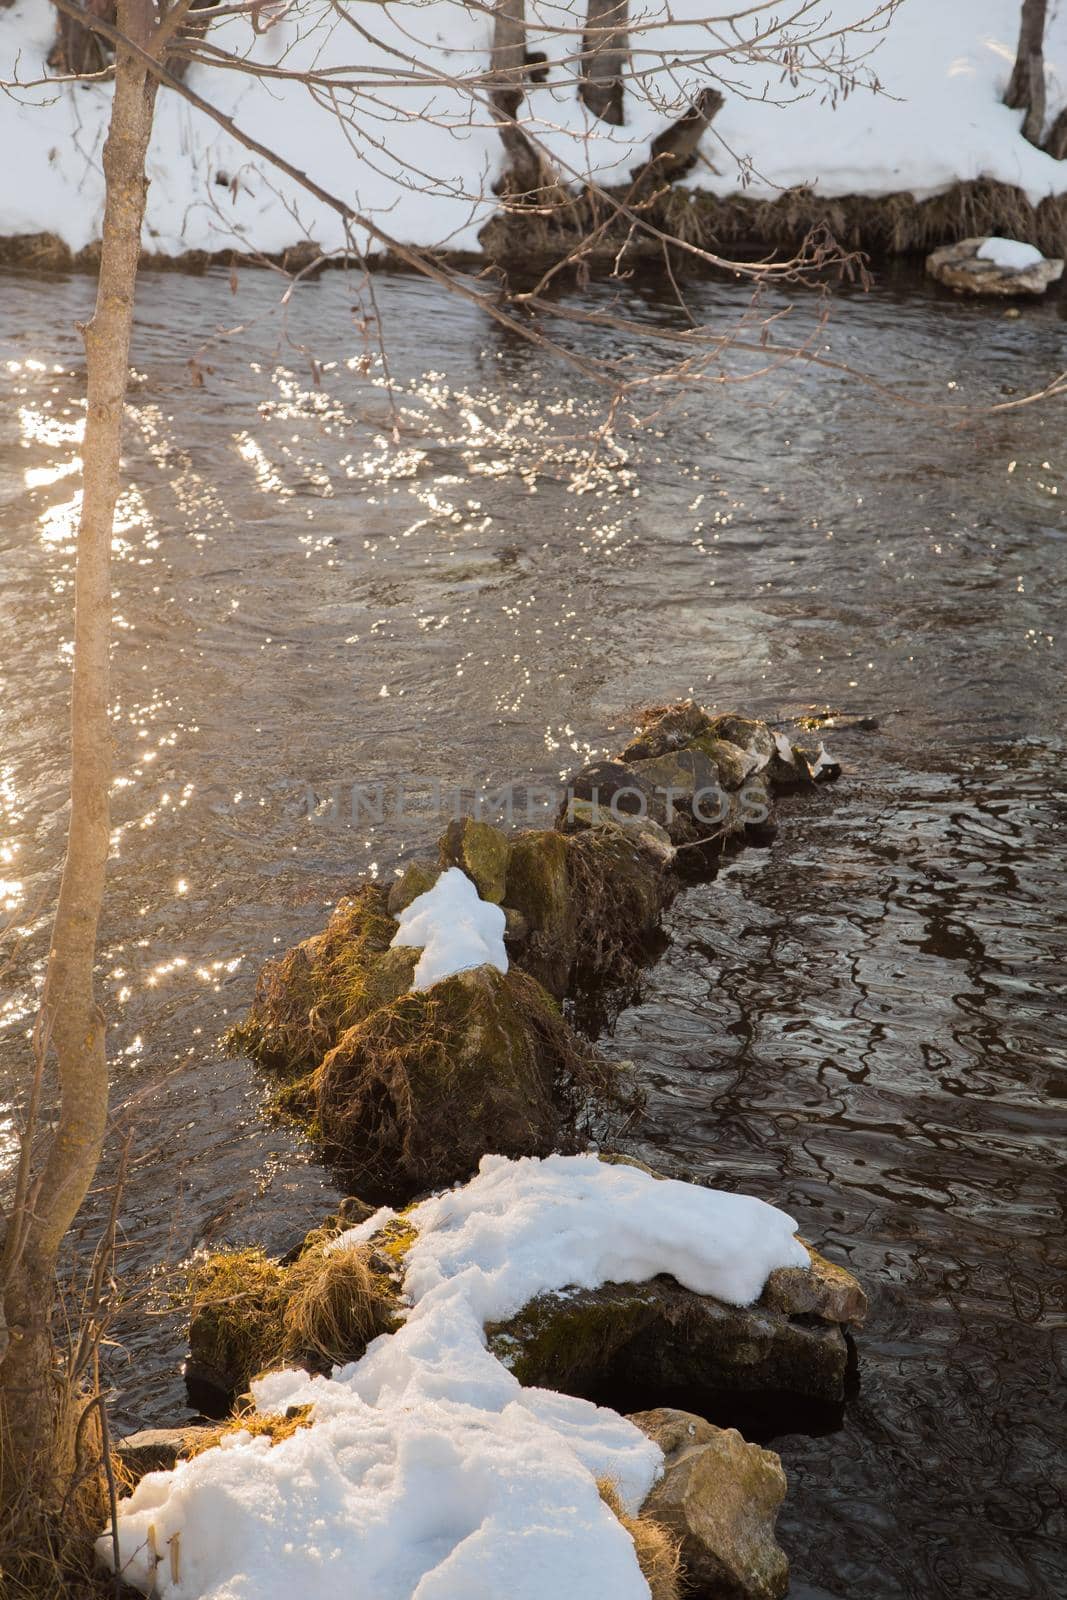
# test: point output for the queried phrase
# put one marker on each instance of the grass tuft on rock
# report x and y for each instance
(306, 999)
(235, 1299)
(619, 894)
(334, 1305)
(275, 1425)
(417, 1092)
(249, 1314)
(658, 1551)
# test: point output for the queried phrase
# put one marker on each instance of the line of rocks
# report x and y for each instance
(405, 1092)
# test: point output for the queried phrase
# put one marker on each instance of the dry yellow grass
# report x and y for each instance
(658, 1551)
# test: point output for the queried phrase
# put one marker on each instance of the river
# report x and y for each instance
(323, 581)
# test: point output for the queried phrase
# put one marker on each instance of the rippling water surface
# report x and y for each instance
(320, 582)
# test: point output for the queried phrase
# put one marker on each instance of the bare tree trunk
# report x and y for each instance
(527, 173)
(77, 49)
(1026, 87)
(70, 1020)
(605, 54)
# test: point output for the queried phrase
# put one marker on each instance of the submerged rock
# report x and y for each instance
(660, 1335)
(977, 266)
(720, 1496)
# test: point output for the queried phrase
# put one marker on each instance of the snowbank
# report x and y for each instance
(427, 1472)
(420, 159)
(454, 928)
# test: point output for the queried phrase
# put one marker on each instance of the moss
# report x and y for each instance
(538, 886)
(482, 853)
(559, 1343)
(658, 1335)
(305, 1000)
(396, 1239)
(415, 1094)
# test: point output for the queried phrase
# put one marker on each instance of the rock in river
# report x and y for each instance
(993, 266)
(720, 1496)
(658, 1335)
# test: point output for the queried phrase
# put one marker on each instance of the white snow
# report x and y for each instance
(428, 1473)
(419, 159)
(1010, 255)
(454, 928)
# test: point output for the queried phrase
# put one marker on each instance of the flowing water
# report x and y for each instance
(322, 582)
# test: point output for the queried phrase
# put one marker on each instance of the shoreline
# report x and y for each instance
(884, 227)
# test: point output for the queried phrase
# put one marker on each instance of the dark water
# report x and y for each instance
(862, 1023)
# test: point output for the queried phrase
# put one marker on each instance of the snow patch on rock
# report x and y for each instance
(454, 928)
(1009, 254)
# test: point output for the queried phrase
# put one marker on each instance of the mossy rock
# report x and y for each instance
(689, 794)
(538, 888)
(720, 1496)
(305, 1000)
(657, 1335)
(619, 894)
(483, 1062)
(745, 733)
(235, 1298)
(390, 975)
(732, 764)
(417, 878)
(642, 832)
(664, 728)
(481, 851)
(614, 788)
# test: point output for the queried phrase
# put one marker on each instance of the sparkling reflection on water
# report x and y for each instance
(318, 585)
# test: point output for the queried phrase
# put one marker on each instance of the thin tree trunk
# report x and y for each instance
(605, 54)
(1026, 87)
(71, 1023)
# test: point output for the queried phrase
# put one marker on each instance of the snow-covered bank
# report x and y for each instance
(428, 1473)
(420, 159)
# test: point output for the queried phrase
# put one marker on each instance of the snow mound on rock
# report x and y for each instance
(454, 928)
(1010, 255)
